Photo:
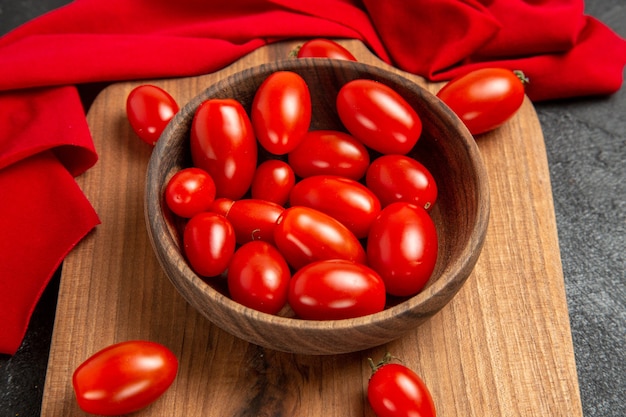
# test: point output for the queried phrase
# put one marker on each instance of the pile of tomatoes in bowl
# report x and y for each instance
(328, 222)
(322, 226)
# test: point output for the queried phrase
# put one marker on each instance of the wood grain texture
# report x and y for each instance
(501, 347)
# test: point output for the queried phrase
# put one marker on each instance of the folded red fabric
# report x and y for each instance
(44, 140)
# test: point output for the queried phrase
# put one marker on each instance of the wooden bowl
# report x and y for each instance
(461, 213)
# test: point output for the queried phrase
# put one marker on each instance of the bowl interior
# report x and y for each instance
(461, 213)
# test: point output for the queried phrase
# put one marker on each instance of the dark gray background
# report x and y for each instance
(586, 143)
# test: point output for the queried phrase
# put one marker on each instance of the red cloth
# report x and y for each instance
(44, 140)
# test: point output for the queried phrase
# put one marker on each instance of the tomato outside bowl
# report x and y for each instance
(461, 213)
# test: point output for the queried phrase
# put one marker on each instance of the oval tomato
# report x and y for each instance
(395, 390)
(378, 116)
(258, 277)
(401, 178)
(346, 200)
(209, 242)
(329, 152)
(336, 289)
(254, 219)
(485, 98)
(281, 112)
(124, 377)
(189, 192)
(223, 144)
(304, 235)
(149, 109)
(324, 48)
(273, 181)
(402, 247)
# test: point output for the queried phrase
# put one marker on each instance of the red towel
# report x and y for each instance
(45, 142)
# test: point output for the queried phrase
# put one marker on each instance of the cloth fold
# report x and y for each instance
(45, 142)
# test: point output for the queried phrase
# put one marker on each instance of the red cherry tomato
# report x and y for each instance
(281, 112)
(401, 178)
(209, 241)
(221, 205)
(223, 144)
(329, 152)
(402, 248)
(124, 377)
(258, 277)
(304, 235)
(336, 289)
(485, 98)
(378, 116)
(273, 181)
(346, 200)
(254, 219)
(189, 192)
(149, 109)
(395, 390)
(324, 48)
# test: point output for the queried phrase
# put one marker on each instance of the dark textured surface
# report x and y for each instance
(586, 143)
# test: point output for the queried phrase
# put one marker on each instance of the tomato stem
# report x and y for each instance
(388, 357)
(294, 52)
(522, 77)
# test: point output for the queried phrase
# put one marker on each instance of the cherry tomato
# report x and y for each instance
(124, 377)
(223, 144)
(329, 152)
(336, 289)
(485, 98)
(346, 200)
(378, 116)
(281, 112)
(209, 241)
(254, 219)
(324, 48)
(189, 192)
(395, 390)
(402, 248)
(149, 109)
(258, 277)
(304, 235)
(401, 178)
(221, 205)
(273, 181)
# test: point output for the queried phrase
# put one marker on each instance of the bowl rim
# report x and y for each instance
(461, 266)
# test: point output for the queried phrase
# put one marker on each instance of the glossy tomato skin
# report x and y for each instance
(189, 192)
(485, 98)
(254, 219)
(149, 109)
(324, 48)
(221, 205)
(395, 178)
(258, 277)
(124, 377)
(397, 391)
(209, 242)
(346, 200)
(329, 152)
(304, 235)
(223, 144)
(336, 289)
(273, 181)
(378, 116)
(402, 248)
(281, 112)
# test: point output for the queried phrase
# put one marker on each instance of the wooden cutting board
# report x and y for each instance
(502, 347)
